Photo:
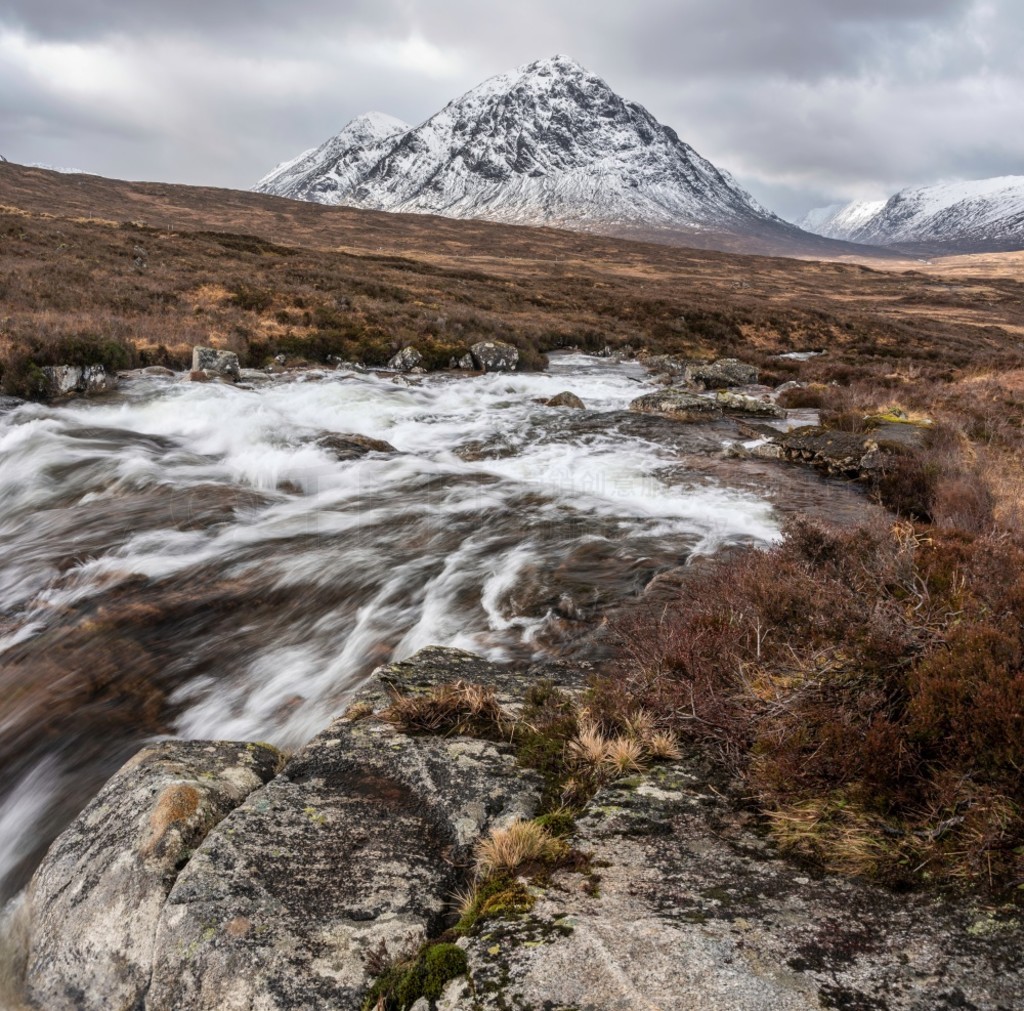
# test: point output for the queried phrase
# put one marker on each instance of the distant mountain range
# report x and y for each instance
(547, 144)
(986, 214)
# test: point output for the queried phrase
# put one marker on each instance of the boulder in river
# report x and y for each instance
(69, 380)
(215, 363)
(859, 455)
(466, 362)
(721, 374)
(494, 356)
(743, 403)
(566, 399)
(405, 360)
(678, 405)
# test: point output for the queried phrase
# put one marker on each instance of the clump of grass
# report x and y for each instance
(503, 896)
(418, 971)
(509, 849)
(625, 755)
(458, 707)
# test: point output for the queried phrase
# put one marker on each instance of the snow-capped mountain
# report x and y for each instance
(840, 221)
(335, 166)
(549, 143)
(982, 214)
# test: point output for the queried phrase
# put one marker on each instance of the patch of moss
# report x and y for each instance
(560, 824)
(500, 897)
(404, 983)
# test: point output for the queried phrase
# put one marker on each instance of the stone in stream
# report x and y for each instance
(68, 380)
(94, 902)
(405, 360)
(743, 403)
(347, 446)
(466, 363)
(678, 405)
(721, 374)
(494, 356)
(566, 399)
(216, 364)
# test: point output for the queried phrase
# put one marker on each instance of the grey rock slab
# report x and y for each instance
(405, 360)
(743, 403)
(678, 405)
(95, 900)
(695, 911)
(721, 374)
(363, 837)
(276, 910)
(69, 380)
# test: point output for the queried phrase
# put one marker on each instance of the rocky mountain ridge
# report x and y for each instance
(981, 215)
(547, 144)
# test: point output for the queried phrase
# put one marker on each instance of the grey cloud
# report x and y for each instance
(804, 100)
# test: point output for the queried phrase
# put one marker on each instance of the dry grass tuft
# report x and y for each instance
(624, 755)
(837, 835)
(506, 850)
(664, 745)
(459, 707)
(589, 748)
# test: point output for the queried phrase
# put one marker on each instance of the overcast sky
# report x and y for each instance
(806, 101)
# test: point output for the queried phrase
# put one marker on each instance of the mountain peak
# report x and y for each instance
(557, 64)
(547, 143)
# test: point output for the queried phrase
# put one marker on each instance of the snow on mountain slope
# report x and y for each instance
(983, 212)
(840, 221)
(549, 143)
(336, 164)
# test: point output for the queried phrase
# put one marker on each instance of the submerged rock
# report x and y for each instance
(405, 360)
(494, 356)
(678, 405)
(95, 900)
(219, 364)
(346, 446)
(566, 399)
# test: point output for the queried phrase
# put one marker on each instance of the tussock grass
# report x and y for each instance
(507, 850)
(458, 707)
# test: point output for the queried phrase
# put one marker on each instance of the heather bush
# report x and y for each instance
(867, 688)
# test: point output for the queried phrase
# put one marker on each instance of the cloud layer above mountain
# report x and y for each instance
(805, 101)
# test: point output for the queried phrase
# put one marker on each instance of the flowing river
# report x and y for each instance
(188, 559)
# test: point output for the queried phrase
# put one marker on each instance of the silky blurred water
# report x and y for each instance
(185, 558)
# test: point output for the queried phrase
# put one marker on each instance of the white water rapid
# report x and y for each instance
(186, 558)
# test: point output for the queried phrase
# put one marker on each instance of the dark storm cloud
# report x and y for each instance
(803, 100)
